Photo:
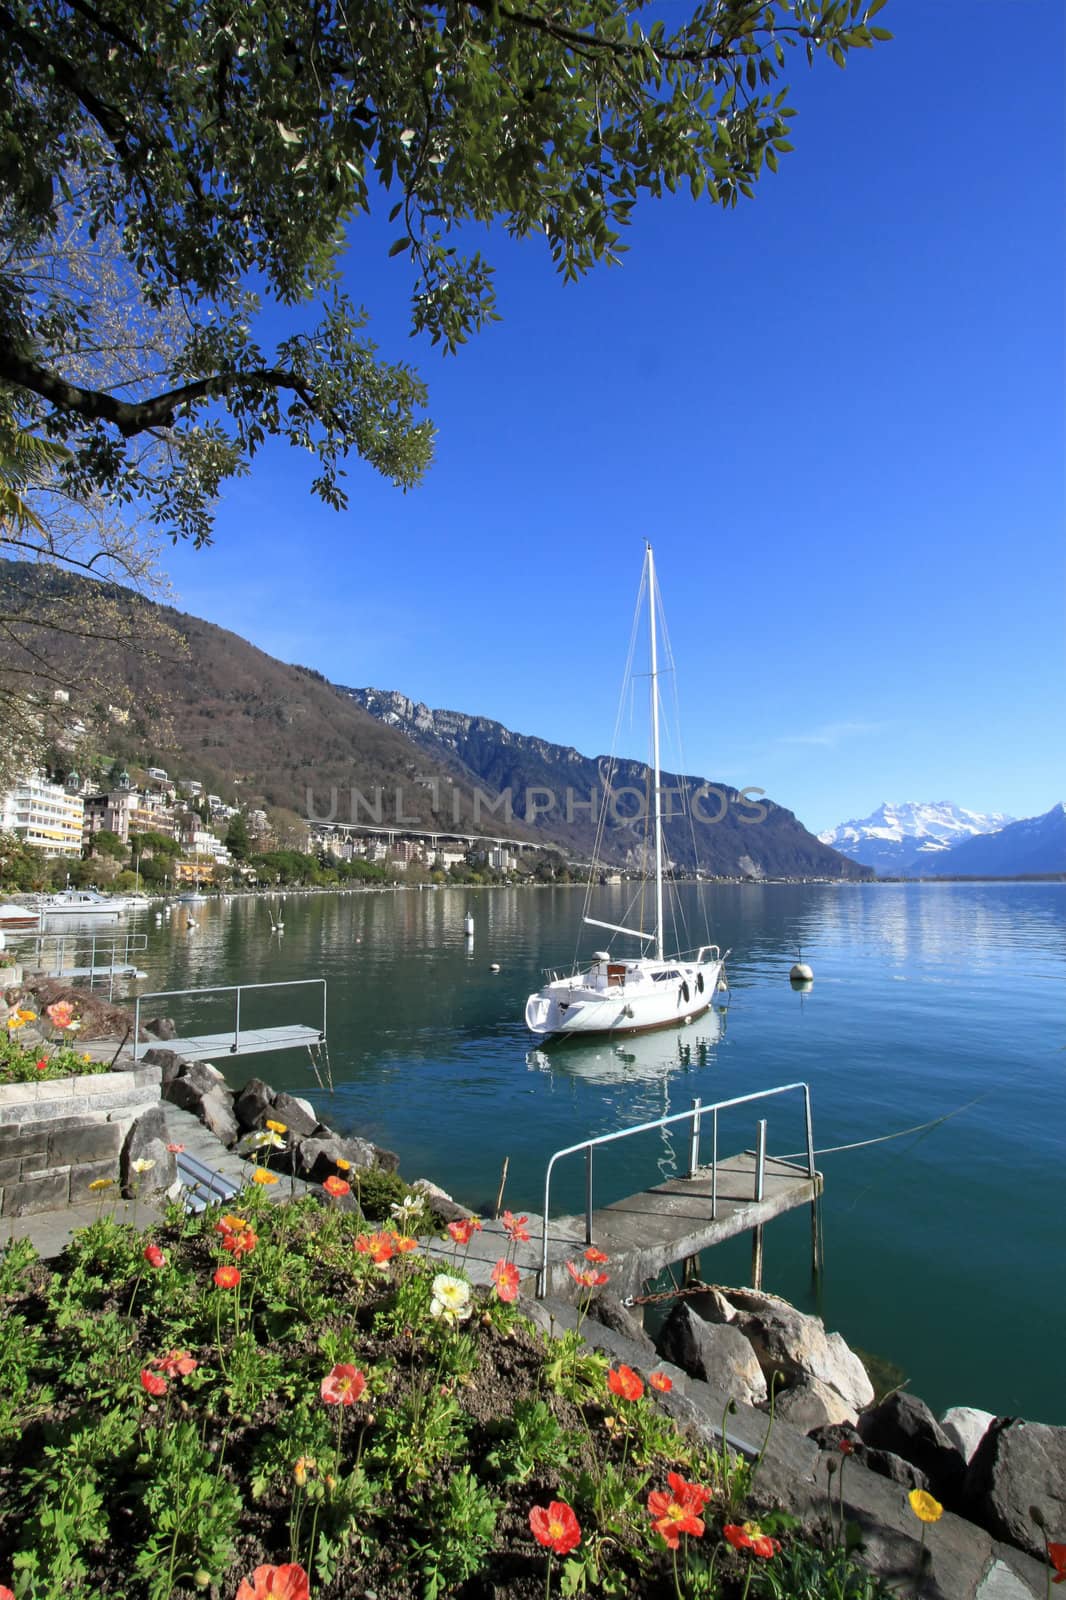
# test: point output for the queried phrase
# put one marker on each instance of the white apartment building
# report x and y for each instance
(44, 815)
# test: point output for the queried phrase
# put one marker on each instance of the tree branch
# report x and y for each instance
(131, 417)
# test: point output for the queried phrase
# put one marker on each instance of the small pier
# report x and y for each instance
(240, 1038)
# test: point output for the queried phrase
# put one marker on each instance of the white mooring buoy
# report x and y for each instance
(495, 967)
(802, 973)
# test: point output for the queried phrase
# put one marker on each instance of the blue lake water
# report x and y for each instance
(943, 1249)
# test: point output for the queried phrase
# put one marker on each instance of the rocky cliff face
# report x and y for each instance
(553, 788)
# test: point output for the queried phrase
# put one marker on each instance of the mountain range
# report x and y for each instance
(937, 839)
(204, 703)
(714, 828)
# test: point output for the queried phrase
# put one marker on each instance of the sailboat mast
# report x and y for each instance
(655, 757)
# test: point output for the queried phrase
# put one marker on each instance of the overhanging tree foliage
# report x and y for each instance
(232, 144)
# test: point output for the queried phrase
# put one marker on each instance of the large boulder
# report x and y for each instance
(164, 1028)
(254, 1104)
(839, 1437)
(793, 1345)
(147, 1142)
(809, 1403)
(904, 1425)
(170, 1064)
(966, 1426)
(316, 1159)
(300, 1122)
(1017, 1466)
(441, 1201)
(715, 1352)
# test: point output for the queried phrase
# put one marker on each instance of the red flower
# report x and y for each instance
(661, 1381)
(597, 1256)
(1056, 1555)
(751, 1537)
(227, 1277)
(239, 1241)
(464, 1230)
(404, 1244)
(275, 1583)
(336, 1187)
(588, 1277)
(343, 1386)
(6, 1594)
(175, 1364)
(506, 1277)
(846, 1447)
(378, 1246)
(175, 1149)
(555, 1526)
(624, 1382)
(154, 1256)
(515, 1227)
(678, 1511)
(152, 1383)
(42, 1065)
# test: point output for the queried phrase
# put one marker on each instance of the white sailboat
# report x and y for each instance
(619, 994)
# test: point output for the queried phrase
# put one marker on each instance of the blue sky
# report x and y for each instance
(837, 412)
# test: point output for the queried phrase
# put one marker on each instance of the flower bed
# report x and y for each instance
(52, 1054)
(285, 1402)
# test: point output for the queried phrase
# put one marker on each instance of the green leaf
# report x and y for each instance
(399, 245)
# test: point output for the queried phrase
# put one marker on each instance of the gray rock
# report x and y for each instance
(171, 1065)
(712, 1305)
(606, 1309)
(441, 1201)
(289, 1110)
(204, 1077)
(387, 1160)
(905, 1426)
(966, 1426)
(215, 1111)
(255, 1104)
(715, 1352)
(162, 1028)
(894, 1467)
(1018, 1465)
(316, 1159)
(794, 1345)
(808, 1403)
(147, 1141)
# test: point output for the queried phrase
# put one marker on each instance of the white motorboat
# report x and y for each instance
(83, 903)
(621, 994)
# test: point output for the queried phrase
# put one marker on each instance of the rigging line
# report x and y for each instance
(602, 820)
(920, 1127)
(686, 799)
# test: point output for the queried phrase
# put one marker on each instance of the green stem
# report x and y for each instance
(548, 1585)
(677, 1580)
(747, 1582)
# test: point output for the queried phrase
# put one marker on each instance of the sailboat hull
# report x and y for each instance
(637, 997)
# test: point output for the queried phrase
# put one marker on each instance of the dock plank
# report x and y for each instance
(248, 1042)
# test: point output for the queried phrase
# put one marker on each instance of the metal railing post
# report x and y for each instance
(694, 1145)
(810, 1129)
(136, 1027)
(760, 1158)
(236, 1022)
(714, 1165)
(588, 1195)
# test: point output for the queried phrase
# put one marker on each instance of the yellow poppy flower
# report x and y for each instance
(925, 1508)
(261, 1175)
(276, 1127)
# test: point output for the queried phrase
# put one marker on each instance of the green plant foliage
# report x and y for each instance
(217, 146)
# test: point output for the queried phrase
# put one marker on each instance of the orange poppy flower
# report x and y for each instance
(661, 1381)
(506, 1277)
(594, 1255)
(240, 1241)
(624, 1382)
(404, 1244)
(751, 1537)
(175, 1364)
(464, 1230)
(677, 1511)
(229, 1222)
(275, 1583)
(343, 1386)
(154, 1256)
(378, 1246)
(515, 1227)
(336, 1187)
(152, 1383)
(227, 1277)
(588, 1277)
(556, 1527)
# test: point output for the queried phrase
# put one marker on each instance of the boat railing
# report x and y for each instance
(695, 1116)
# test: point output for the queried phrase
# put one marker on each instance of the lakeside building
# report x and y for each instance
(48, 816)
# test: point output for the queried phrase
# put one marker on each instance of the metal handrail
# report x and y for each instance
(695, 1115)
(235, 989)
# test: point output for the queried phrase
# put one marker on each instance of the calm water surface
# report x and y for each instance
(943, 1249)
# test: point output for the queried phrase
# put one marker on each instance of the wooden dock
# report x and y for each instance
(646, 1232)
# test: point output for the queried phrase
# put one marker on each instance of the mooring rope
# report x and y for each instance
(883, 1138)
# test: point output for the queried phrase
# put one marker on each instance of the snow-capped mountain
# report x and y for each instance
(906, 838)
(1034, 847)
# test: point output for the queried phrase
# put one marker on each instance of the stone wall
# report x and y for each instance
(57, 1137)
